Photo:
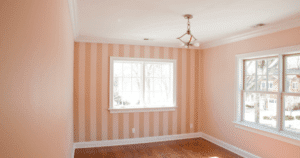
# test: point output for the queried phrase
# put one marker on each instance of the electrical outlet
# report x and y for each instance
(191, 125)
(133, 130)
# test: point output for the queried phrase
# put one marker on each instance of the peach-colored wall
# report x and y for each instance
(219, 102)
(93, 121)
(36, 79)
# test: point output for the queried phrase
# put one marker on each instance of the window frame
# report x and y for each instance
(278, 132)
(144, 109)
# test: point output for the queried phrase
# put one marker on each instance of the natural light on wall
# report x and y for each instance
(142, 84)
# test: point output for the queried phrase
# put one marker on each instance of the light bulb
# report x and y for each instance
(196, 44)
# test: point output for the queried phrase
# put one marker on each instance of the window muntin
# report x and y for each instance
(261, 91)
(142, 83)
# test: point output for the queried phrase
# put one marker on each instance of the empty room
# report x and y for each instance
(149, 78)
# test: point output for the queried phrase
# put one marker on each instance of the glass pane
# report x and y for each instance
(250, 83)
(157, 84)
(249, 107)
(273, 66)
(273, 83)
(165, 85)
(136, 84)
(250, 67)
(117, 69)
(117, 84)
(134, 100)
(149, 84)
(117, 100)
(268, 109)
(261, 108)
(166, 70)
(261, 67)
(136, 69)
(126, 99)
(149, 70)
(126, 84)
(157, 70)
(292, 83)
(126, 70)
(293, 65)
(292, 113)
(262, 83)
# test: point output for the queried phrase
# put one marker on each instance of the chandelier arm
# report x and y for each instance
(193, 37)
(182, 41)
(181, 36)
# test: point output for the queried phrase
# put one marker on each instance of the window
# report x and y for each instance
(274, 108)
(139, 84)
(263, 84)
(295, 85)
(270, 85)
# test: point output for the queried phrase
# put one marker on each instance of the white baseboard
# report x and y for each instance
(229, 147)
(117, 142)
(135, 140)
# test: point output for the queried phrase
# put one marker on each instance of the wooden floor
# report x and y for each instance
(188, 148)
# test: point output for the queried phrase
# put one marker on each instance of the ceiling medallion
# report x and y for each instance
(192, 39)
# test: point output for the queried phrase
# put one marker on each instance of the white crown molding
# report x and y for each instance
(90, 39)
(73, 14)
(117, 142)
(268, 29)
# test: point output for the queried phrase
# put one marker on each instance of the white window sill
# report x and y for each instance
(130, 110)
(269, 132)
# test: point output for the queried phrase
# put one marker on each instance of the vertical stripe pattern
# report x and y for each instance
(92, 119)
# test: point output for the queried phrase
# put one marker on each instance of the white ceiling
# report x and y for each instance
(130, 21)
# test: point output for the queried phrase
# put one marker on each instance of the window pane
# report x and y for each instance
(268, 109)
(126, 69)
(292, 83)
(149, 84)
(166, 68)
(126, 84)
(293, 65)
(136, 84)
(261, 108)
(261, 67)
(136, 69)
(273, 66)
(117, 99)
(250, 83)
(249, 107)
(117, 84)
(262, 83)
(126, 99)
(292, 113)
(273, 83)
(157, 84)
(250, 67)
(117, 69)
(157, 70)
(149, 70)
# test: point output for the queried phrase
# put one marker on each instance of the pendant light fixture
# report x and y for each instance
(191, 38)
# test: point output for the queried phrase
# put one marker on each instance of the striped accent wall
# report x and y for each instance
(92, 119)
